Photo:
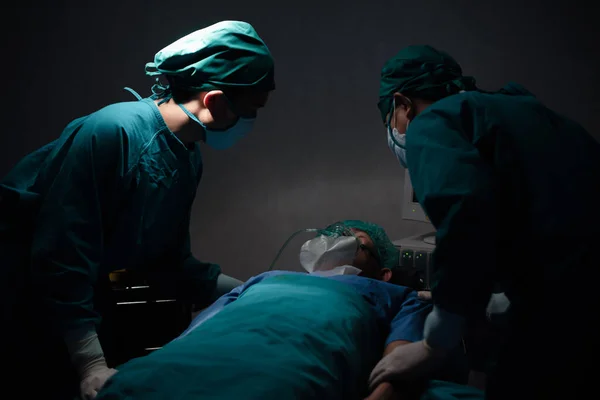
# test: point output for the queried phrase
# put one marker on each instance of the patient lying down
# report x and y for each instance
(287, 335)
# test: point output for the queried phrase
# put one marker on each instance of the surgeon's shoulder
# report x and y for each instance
(460, 112)
(108, 130)
(128, 116)
(456, 106)
(95, 135)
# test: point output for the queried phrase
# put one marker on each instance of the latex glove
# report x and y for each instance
(443, 329)
(88, 359)
(424, 295)
(405, 362)
(94, 381)
(498, 304)
(442, 332)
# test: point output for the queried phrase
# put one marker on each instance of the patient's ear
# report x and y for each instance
(386, 274)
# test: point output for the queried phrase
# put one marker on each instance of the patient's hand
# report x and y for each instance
(424, 295)
(384, 391)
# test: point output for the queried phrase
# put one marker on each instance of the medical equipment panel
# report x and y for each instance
(415, 256)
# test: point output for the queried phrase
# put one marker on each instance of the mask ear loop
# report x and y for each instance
(392, 118)
(392, 115)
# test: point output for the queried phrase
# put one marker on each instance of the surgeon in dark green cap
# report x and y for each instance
(115, 191)
(513, 190)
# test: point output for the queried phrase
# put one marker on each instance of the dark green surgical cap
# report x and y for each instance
(387, 254)
(226, 55)
(420, 71)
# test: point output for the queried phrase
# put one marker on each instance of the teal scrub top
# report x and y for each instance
(114, 191)
(512, 189)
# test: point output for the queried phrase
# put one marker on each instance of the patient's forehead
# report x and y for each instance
(363, 237)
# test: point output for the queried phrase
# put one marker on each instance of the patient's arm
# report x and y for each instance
(407, 324)
(392, 345)
(405, 328)
(385, 391)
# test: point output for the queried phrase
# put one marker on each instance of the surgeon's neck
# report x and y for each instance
(179, 123)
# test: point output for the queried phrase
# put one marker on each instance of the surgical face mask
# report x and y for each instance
(223, 139)
(397, 140)
(397, 143)
(325, 253)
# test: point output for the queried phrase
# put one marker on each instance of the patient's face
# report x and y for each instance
(366, 259)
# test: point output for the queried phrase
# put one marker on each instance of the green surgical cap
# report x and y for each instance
(226, 55)
(420, 70)
(387, 253)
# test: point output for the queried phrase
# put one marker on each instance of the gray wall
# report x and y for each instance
(319, 151)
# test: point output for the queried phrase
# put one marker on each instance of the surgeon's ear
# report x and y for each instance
(402, 101)
(386, 274)
(216, 103)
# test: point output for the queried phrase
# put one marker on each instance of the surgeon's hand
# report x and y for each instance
(88, 359)
(412, 360)
(94, 380)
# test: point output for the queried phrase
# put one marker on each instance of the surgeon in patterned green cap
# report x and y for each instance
(115, 191)
(485, 165)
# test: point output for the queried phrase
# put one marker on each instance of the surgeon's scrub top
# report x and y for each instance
(113, 192)
(281, 335)
(512, 189)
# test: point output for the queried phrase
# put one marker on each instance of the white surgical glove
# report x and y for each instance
(407, 361)
(442, 331)
(498, 304)
(88, 358)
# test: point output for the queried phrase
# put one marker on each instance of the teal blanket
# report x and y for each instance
(318, 340)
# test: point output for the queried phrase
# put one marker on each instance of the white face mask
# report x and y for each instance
(324, 253)
(397, 140)
(397, 143)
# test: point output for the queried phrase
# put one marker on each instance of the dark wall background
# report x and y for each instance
(319, 151)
